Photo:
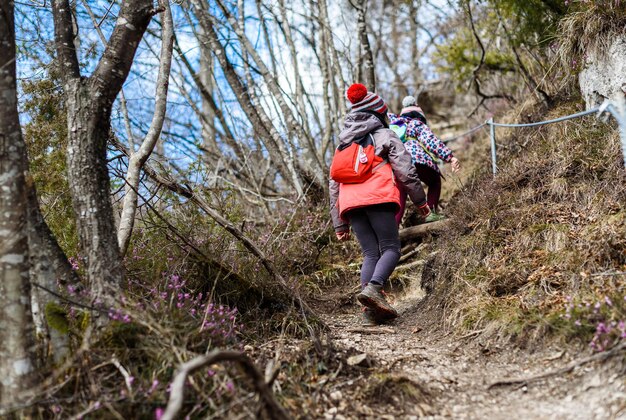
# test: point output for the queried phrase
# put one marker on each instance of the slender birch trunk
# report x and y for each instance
(326, 83)
(17, 358)
(340, 88)
(139, 158)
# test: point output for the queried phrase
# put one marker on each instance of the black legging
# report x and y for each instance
(377, 232)
(432, 179)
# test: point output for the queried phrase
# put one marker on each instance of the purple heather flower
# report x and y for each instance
(230, 386)
(153, 387)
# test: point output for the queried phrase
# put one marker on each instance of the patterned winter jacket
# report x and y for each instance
(382, 187)
(419, 133)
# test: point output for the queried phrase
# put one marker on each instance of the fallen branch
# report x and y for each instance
(595, 358)
(175, 403)
(423, 230)
(408, 254)
(410, 265)
(372, 330)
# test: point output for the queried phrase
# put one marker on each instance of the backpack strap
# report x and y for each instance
(358, 140)
(380, 165)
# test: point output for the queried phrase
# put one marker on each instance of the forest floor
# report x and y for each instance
(413, 369)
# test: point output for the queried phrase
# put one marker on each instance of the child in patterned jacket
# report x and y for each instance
(424, 147)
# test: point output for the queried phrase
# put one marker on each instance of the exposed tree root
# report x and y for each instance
(595, 358)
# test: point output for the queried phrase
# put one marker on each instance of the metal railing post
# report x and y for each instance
(492, 131)
(620, 115)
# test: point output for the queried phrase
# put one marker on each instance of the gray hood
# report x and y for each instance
(358, 124)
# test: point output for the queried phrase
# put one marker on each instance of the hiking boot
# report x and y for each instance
(434, 217)
(373, 298)
(369, 318)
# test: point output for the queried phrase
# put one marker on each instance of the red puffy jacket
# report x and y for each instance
(382, 187)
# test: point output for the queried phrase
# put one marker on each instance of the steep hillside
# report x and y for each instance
(539, 251)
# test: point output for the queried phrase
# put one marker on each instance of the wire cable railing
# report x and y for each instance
(615, 108)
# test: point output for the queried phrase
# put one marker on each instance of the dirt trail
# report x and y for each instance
(413, 371)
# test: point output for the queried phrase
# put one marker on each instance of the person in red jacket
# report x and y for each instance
(370, 207)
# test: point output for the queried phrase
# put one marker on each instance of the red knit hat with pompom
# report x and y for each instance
(362, 100)
(356, 93)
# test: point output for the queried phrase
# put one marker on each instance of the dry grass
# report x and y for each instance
(590, 29)
(541, 231)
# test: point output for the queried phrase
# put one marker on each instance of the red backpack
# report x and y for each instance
(355, 162)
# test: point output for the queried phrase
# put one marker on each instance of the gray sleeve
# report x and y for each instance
(403, 169)
(338, 223)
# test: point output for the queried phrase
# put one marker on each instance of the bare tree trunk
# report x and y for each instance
(369, 77)
(17, 358)
(336, 108)
(48, 267)
(205, 77)
(90, 187)
(139, 158)
(338, 90)
(89, 103)
(415, 53)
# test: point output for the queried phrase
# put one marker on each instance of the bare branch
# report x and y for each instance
(475, 79)
(175, 403)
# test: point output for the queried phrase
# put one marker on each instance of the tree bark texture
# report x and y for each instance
(205, 79)
(369, 75)
(89, 104)
(49, 266)
(16, 324)
(89, 184)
